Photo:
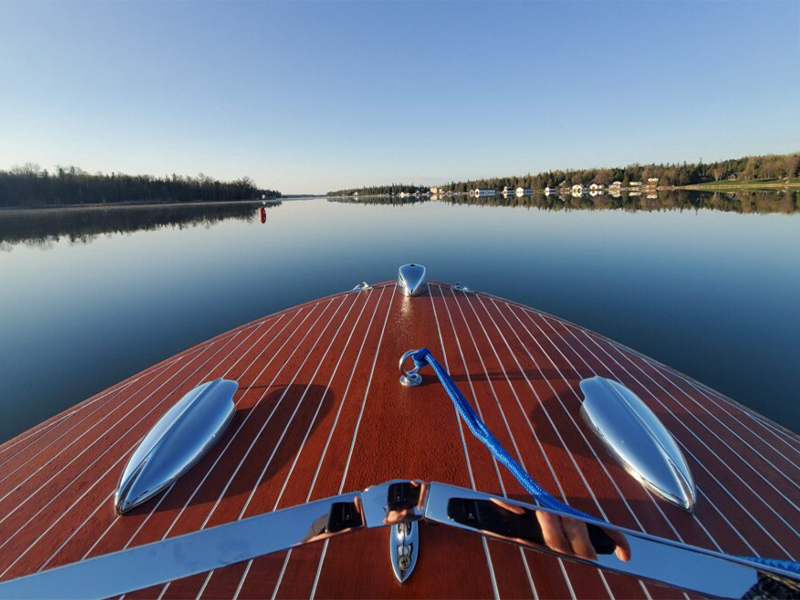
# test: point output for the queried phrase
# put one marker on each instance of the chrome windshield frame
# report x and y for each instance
(653, 559)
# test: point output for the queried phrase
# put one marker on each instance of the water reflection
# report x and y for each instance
(43, 228)
(758, 202)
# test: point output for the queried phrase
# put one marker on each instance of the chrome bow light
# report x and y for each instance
(637, 440)
(180, 438)
(412, 279)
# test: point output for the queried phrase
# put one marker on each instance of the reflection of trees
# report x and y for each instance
(761, 202)
(41, 229)
(387, 200)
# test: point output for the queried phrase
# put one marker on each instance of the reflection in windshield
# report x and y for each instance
(83, 225)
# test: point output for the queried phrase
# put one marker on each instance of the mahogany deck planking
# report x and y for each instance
(320, 412)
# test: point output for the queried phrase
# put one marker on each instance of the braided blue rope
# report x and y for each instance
(479, 430)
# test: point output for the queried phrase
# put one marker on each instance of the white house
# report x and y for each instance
(485, 192)
(508, 191)
(521, 191)
(580, 189)
(597, 187)
(550, 191)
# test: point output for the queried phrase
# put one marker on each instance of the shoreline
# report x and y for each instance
(121, 205)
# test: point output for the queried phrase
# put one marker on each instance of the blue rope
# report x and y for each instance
(480, 431)
(543, 497)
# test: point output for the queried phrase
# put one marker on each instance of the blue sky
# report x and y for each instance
(313, 96)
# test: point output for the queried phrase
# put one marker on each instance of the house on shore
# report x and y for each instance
(580, 190)
(524, 192)
(550, 191)
(484, 192)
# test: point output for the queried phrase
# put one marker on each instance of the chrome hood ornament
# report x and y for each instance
(180, 438)
(638, 440)
(412, 280)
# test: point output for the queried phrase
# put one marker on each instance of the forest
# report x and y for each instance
(30, 186)
(394, 189)
(769, 167)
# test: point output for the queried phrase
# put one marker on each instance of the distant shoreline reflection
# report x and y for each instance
(756, 202)
(43, 228)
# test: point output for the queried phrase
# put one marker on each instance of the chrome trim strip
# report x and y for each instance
(637, 440)
(402, 501)
(180, 438)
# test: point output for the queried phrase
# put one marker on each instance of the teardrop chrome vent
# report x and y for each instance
(180, 438)
(637, 440)
(412, 279)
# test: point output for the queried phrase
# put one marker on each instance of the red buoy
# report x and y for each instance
(262, 214)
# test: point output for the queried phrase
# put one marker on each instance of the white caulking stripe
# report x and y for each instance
(241, 355)
(63, 433)
(700, 464)
(19, 504)
(725, 463)
(489, 565)
(355, 433)
(485, 371)
(297, 347)
(223, 342)
(583, 359)
(672, 376)
(312, 422)
(464, 298)
(237, 402)
(78, 479)
(654, 502)
(578, 398)
(274, 355)
(299, 402)
(327, 443)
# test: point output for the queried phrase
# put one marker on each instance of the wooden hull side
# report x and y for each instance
(320, 411)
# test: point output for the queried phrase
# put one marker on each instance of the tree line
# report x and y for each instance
(773, 166)
(382, 190)
(31, 186)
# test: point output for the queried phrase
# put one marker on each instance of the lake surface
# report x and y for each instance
(90, 297)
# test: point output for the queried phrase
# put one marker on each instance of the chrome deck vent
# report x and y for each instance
(412, 280)
(637, 440)
(180, 438)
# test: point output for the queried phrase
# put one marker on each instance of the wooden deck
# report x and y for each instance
(320, 411)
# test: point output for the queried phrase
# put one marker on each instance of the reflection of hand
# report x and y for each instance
(570, 536)
(394, 516)
(324, 535)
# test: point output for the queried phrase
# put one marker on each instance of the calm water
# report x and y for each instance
(88, 298)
